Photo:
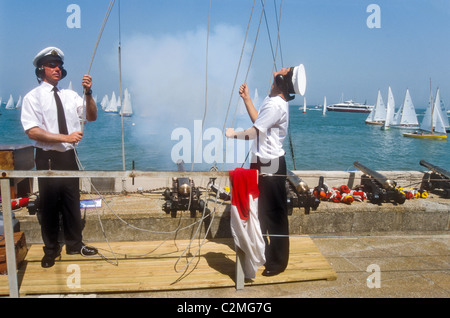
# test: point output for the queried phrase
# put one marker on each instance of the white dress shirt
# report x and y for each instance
(39, 110)
(272, 124)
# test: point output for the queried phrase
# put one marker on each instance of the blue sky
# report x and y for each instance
(164, 49)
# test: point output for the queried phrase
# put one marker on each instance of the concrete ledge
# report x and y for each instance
(422, 215)
(143, 219)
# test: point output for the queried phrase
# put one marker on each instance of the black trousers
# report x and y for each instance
(59, 196)
(273, 212)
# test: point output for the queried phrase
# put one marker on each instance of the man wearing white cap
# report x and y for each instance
(51, 118)
(270, 126)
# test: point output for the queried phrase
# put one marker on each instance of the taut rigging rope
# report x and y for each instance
(105, 19)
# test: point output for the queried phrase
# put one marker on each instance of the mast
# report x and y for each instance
(121, 99)
(432, 108)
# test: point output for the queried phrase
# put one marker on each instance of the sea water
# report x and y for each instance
(331, 142)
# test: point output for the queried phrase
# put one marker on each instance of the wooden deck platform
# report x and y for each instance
(156, 266)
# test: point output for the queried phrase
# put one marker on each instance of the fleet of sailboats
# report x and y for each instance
(11, 104)
(108, 104)
(435, 123)
(112, 104)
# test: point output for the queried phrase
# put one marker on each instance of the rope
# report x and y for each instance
(175, 231)
(105, 19)
(236, 76)
(274, 56)
(206, 83)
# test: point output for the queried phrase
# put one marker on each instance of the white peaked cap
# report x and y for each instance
(299, 79)
(54, 51)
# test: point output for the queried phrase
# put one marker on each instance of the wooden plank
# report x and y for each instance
(214, 267)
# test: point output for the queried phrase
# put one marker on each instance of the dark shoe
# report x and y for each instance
(84, 250)
(48, 260)
(268, 272)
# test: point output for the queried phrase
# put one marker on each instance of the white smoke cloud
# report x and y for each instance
(166, 74)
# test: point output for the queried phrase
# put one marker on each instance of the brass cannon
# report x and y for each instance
(438, 178)
(379, 189)
(299, 194)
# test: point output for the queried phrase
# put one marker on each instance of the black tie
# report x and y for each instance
(61, 117)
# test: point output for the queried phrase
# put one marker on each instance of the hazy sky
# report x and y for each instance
(348, 47)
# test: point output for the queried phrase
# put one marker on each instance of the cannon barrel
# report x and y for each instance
(385, 182)
(297, 182)
(299, 194)
(435, 169)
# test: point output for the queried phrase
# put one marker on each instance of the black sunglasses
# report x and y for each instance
(53, 64)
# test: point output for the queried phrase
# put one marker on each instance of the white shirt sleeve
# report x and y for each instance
(30, 116)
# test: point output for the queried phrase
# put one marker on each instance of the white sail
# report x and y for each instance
(439, 121)
(433, 118)
(378, 113)
(324, 110)
(70, 86)
(426, 123)
(390, 110)
(438, 115)
(113, 104)
(444, 115)
(256, 97)
(406, 116)
(304, 104)
(105, 101)
(19, 102)
(127, 109)
(10, 103)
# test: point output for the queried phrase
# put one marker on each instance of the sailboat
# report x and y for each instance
(10, 103)
(432, 126)
(324, 110)
(127, 109)
(105, 102)
(19, 102)
(445, 117)
(256, 97)
(406, 117)
(113, 105)
(390, 111)
(378, 114)
(304, 105)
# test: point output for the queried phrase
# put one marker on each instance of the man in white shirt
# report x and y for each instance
(270, 126)
(52, 117)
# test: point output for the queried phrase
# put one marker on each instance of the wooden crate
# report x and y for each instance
(21, 251)
(18, 157)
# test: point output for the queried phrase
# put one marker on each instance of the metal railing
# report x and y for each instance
(7, 175)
